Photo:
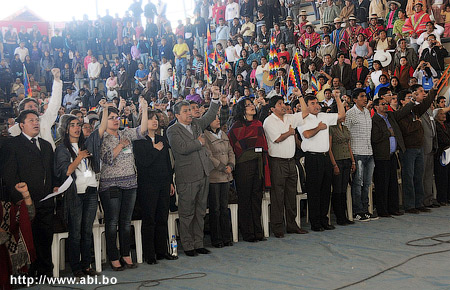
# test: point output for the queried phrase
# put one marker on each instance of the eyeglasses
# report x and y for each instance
(384, 104)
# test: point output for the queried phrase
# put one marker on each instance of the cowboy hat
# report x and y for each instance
(303, 13)
(289, 18)
(394, 2)
(352, 17)
(337, 20)
(418, 2)
(309, 24)
(373, 16)
(384, 57)
(325, 25)
(266, 79)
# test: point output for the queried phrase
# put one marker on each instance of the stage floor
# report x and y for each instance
(326, 260)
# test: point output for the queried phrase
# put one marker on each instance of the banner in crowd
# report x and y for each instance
(26, 83)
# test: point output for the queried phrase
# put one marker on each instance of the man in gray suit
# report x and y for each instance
(192, 168)
(430, 145)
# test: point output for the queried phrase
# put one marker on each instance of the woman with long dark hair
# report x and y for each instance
(76, 157)
(249, 142)
(118, 184)
(155, 186)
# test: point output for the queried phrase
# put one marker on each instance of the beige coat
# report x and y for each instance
(376, 7)
(221, 154)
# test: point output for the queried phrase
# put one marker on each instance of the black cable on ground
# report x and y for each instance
(436, 238)
(144, 283)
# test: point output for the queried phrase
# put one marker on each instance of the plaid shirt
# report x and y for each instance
(359, 123)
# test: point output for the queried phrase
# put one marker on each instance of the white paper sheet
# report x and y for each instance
(61, 189)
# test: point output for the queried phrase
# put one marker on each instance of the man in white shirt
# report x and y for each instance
(359, 123)
(164, 71)
(316, 144)
(22, 51)
(94, 69)
(71, 99)
(48, 118)
(231, 11)
(279, 128)
(222, 33)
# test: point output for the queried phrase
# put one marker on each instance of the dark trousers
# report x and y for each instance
(42, 228)
(318, 184)
(154, 202)
(219, 218)
(283, 177)
(442, 179)
(118, 208)
(340, 183)
(386, 185)
(250, 192)
(81, 219)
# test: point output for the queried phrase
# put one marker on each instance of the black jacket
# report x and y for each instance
(361, 11)
(435, 56)
(26, 163)
(380, 133)
(362, 76)
(153, 166)
(346, 74)
(443, 137)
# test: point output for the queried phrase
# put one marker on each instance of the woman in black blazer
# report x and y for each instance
(155, 186)
(442, 173)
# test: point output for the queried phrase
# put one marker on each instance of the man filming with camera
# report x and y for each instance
(434, 54)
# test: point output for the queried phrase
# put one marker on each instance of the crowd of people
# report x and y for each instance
(179, 119)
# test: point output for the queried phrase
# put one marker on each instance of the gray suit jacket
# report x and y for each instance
(430, 142)
(192, 162)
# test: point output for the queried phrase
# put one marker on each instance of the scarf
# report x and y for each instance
(18, 251)
(244, 138)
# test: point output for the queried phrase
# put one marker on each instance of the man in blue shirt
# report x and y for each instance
(141, 74)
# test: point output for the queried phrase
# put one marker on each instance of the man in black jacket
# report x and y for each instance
(360, 72)
(387, 140)
(30, 160)
(435, 54)
(362, 11)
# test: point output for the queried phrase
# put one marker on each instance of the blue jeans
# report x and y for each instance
(412, 182)
(181, 65)
(81, 218)
(200, 44)
(362, 179)
(118, 206)
(93, 83)
(144, 59)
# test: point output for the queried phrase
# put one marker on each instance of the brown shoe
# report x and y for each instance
(298, 231)
(412, 210)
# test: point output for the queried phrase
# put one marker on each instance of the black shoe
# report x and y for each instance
(328, 227)
(166, 256)
(128, 266)
(279, 235)
(261, 239)
(251, 240)
(120, 268)
(384, 215)
(412, 210)
(191, 253)
(349, 222)
(433, 206)
(298, 231)
(424, 209)
(317, 229)
(90, 272)
(79, 274)
(396, 213)
(443, 203)
(203, 251)
(152, 261)
(218, 245)
(228, 244)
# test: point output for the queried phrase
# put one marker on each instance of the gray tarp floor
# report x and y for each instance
(325, 260)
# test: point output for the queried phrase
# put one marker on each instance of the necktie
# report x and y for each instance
(33, 140)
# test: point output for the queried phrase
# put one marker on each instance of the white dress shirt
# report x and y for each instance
(274, 127)
(319, 143)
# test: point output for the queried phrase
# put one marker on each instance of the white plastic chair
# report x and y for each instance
(265, 217)
(172, 224)
(349, 203)
(234, 221)
(58, 252)
(137, 224)
(97, 230)
(299, 198)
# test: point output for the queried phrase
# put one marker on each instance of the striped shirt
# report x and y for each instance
(359, 124)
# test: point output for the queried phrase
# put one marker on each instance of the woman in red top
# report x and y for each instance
(404, 72)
